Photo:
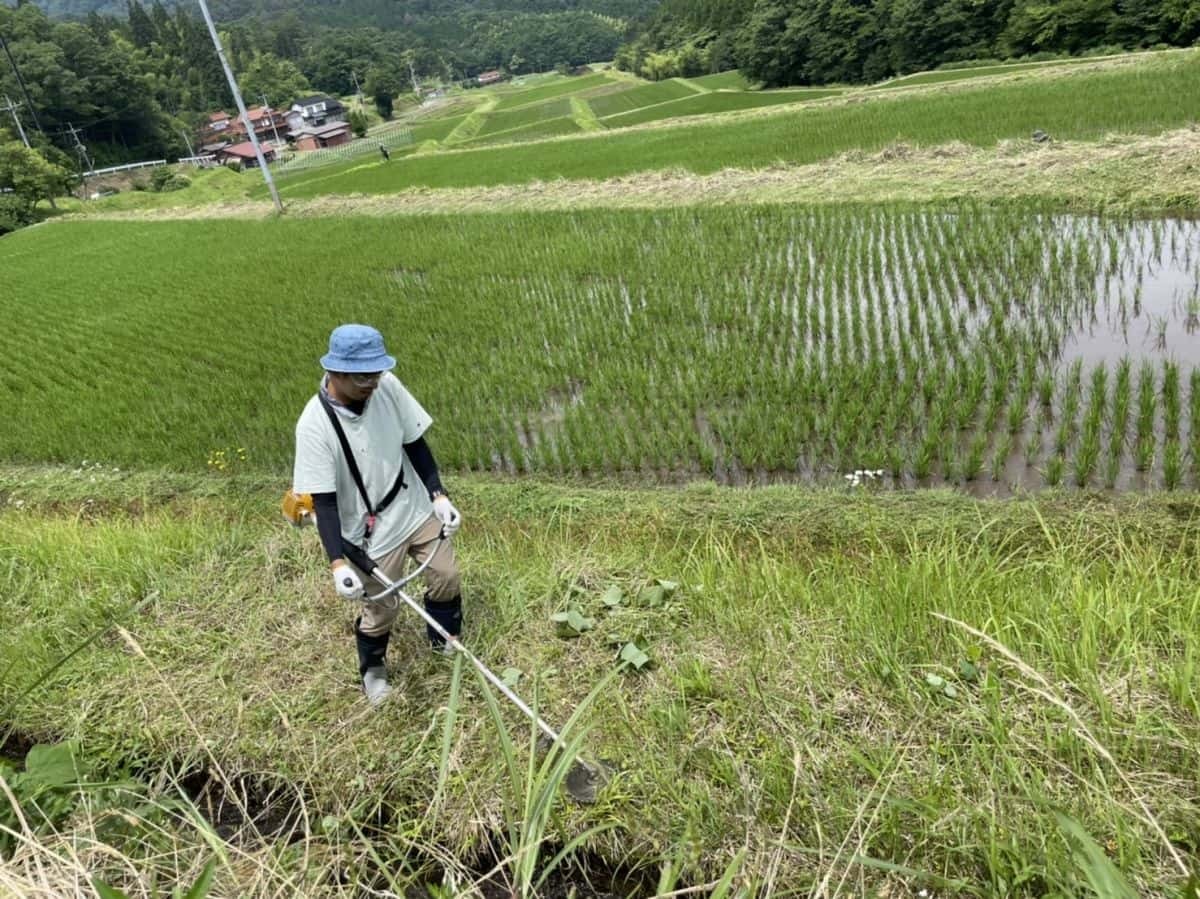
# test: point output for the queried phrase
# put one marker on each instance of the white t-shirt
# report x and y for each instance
(391, 419)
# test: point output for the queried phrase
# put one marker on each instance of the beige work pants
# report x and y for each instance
(441, 577)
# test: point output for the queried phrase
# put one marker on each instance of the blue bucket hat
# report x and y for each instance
(356, 349)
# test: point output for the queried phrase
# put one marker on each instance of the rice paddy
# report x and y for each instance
(638, 97)
(998, 349)
(554, 90)
(713, 102)
(1079, 103)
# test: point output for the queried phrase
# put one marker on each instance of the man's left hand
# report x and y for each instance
(447, 515)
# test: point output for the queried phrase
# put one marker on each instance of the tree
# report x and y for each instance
(29, 175)
(277, 79)
(384, 102)
(358, 122)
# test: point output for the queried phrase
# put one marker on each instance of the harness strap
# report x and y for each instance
(372, 511)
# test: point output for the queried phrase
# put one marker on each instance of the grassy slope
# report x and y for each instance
(1084, 102)
(793, 707)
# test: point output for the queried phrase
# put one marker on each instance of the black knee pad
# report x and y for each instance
(447, 613)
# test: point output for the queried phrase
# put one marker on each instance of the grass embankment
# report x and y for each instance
(790, 342)
(854, 690)
(1136, 95)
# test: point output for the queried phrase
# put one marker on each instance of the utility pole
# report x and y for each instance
(357, 89)
(9, 107)
(80, 149)
(187, 140)
(412, 71)
(241, 105)
(21, 82)
(81, 152)
(271, 116)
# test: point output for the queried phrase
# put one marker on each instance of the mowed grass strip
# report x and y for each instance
(945, 76)
(714, 102)
(554, 90)
(1142, 96)
(637, 97)
(498, 120)
(809, 684)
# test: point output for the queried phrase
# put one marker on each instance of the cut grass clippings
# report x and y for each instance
(898, 691)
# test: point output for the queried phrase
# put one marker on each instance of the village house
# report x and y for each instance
(215, 126)
(321, 136)
(269, 124)
(244, 153)
(314, 111)
(491, 77)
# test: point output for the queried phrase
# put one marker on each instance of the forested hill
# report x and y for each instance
(133, 84)
(422, 14)
(792, 42)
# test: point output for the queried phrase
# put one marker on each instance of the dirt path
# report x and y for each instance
(1118, 172)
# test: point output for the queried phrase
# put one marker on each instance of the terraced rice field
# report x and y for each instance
(525, 116)
(714, 102)
(1146, 96)
(553, 90)
(638, 97)
(964, 344)
(732, 80)
(556, 127)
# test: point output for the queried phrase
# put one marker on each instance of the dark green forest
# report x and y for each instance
(798, 42)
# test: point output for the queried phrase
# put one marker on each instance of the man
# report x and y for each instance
(384, 151)
(376, 485)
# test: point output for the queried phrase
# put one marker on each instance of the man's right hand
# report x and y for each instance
(346, 581)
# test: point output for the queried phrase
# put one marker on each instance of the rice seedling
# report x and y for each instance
(1147, 407)
(1172, 406)
(1054, 470)
(1172, 464)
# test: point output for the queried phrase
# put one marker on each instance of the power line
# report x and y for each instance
(21, 82)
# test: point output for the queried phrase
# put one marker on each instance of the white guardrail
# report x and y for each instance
(123, 168)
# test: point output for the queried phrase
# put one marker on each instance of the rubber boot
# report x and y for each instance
(447, 613)
(371, 652)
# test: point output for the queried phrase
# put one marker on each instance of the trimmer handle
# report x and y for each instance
(361, 560)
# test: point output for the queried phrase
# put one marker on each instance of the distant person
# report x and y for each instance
(361, 454)
(384, 151)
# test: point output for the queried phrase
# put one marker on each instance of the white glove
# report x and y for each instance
(347, 582)
(447, 515)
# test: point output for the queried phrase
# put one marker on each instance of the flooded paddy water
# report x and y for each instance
(990, 350)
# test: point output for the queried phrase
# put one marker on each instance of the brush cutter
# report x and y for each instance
(585, 779)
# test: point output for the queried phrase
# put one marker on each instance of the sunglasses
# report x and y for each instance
(363, 380)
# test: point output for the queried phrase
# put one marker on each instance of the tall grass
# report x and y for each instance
(941, 679)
